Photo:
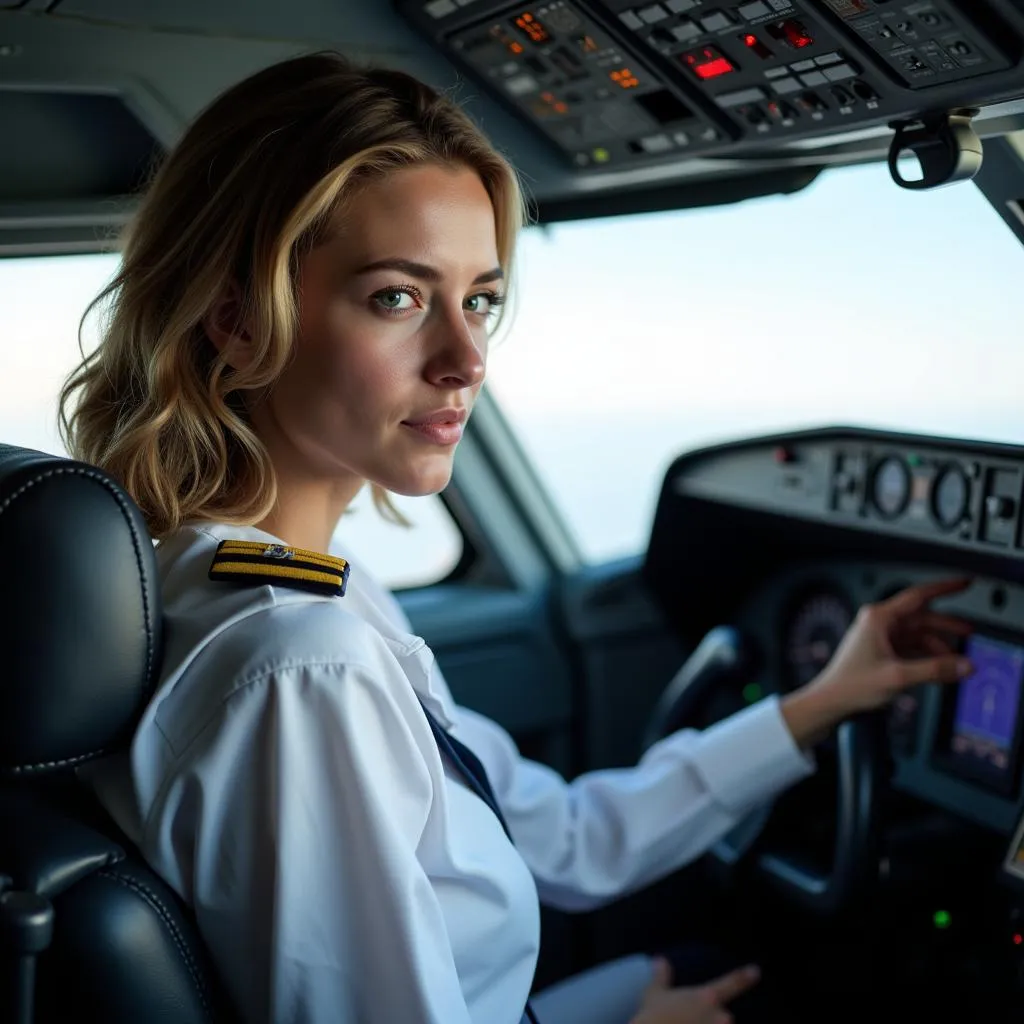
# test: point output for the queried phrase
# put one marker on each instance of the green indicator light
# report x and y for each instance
(601, 155)
(942, 919)
(914, 460)
(752, 693)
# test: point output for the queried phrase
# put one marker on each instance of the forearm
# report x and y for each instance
(612, 831)
(810, 714)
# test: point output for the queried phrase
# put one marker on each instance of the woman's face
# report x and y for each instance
(394, 317)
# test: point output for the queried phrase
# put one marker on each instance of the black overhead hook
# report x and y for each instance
(946, 146)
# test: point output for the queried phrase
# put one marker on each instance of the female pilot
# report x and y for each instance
(303, 308)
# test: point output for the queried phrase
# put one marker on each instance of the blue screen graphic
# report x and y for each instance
(985, 720)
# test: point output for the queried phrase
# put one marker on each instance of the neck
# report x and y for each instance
(309, 503)
(306, 519)
(307, 510)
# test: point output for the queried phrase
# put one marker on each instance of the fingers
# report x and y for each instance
(661, 977)
(939, 623)
(914, 599)
(948, 668)
(934, 646)
(725, 989)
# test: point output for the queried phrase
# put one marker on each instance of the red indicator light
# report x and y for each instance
(784, 456)
(528, 24)
(624, 78)
(708, 63)
(714, 69)
(1018, 939)
(791, 32)
(752, 43)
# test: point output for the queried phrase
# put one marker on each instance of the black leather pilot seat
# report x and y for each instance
(87, 931)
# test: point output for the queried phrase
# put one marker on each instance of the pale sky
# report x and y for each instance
(636, 338)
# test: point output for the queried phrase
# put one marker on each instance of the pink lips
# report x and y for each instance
(443, 427)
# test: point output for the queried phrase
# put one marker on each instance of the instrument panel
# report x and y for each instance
(770, 64)
(923, 43)
(812, 635)
(810, 526)
(957, 747)
(960, 496)
(622, 83)
(921, 492)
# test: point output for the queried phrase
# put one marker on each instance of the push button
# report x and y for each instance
(716, 21)
(756, 10)
(685, 31)
(999, 518)
(656, 144)
(786, 85)
(1000, 507)
(653, 14)
(734, 99)
(840, 73)
(440, 8)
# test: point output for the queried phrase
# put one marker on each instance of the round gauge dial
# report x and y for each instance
(890, 489)
(950, 496)
(813, 635)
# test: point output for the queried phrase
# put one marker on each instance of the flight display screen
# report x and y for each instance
(983, 739)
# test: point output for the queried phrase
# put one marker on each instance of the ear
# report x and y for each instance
(227, 331)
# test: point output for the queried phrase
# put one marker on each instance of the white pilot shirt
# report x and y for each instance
(285, 782)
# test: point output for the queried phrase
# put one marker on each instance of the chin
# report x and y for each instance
(418, 481)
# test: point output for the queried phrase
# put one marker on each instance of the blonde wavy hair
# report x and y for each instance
(253, 184)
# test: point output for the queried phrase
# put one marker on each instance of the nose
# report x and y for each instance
(459, 356)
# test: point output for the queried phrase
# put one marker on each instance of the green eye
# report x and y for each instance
(484, 303)
(395, 300)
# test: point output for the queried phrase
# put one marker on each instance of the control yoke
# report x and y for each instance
(727, 658)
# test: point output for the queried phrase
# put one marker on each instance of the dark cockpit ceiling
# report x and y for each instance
(606, 106)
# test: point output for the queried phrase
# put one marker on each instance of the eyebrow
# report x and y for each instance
(425, 273)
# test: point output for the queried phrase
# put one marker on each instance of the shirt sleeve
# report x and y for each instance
(307, 799)
(613, 831)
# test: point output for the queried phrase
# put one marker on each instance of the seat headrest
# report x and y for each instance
(80, 623)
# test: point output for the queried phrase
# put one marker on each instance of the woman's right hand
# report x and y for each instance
(699, 1004)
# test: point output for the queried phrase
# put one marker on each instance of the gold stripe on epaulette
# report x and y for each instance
(254, 562)
(285, 572)
(248, 547)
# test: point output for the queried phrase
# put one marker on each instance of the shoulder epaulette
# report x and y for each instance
(247, 561)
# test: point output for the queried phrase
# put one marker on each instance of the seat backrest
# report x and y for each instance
(80, 632)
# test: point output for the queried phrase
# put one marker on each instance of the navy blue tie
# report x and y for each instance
(468, 765)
